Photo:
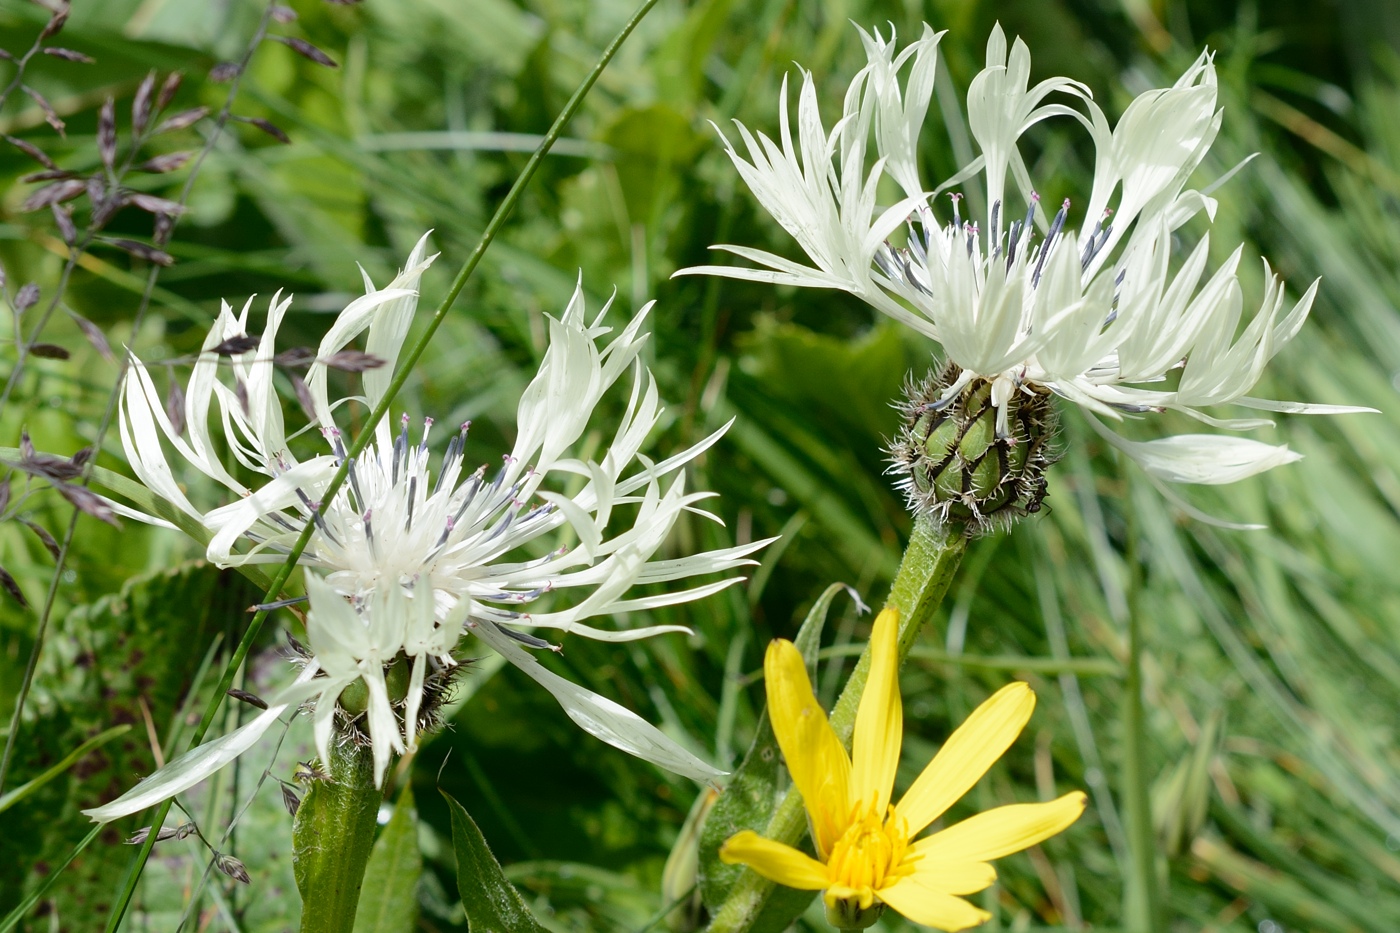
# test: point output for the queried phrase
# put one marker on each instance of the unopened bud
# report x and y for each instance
(959, 467)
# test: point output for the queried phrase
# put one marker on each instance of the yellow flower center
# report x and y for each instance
(869, 856)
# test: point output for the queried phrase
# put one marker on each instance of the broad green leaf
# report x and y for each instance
(752, 793)
(492, 903)
(389, 901)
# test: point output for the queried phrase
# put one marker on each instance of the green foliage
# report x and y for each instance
(389, 903)
(123, 660)
(752, 794)
(492, 903)
(1289, 814)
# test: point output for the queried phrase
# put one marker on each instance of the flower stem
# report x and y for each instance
(332, 835)
(1142, 909)
(928, 565)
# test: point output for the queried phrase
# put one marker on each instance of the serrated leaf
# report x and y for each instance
(492, 903)
(390, 904)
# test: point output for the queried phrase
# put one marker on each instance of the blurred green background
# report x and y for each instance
(1274, 671)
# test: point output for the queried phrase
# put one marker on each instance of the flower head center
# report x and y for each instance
(870, 854)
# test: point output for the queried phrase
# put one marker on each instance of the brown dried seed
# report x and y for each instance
(48, 466)
(225, 71)
(304, 399)
(107, 133)
(63, 216)
(27, 297)
(44, 537)
(11, 587)
(56, 193)
(94, 336)
(251, 699)
(69, 55)
(290, 800)
(141, 103)
(48, 351)
(154, 205)
(33, 151)
(235, 345)
(306, 50)
(168, 89)
(232, 867)
(89, 503)
(164, 163)
(55, 25)
(240, 391)
(175, 406)
(353, 361)
(142, 251)
(267, 127)
(183, 119)
(295, 357)
(50, 115)
(47, 175)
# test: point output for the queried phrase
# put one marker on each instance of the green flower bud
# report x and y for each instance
(398, 674)
(354, 699)
(396, 679)
(958, 468)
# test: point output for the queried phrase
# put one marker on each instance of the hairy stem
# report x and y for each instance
(332, 836)
(928, 565)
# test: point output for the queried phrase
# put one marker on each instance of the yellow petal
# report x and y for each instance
(957, 877)
(815, 757)
(968, 753)
(774, 861)
(880, 719)
(1002, 831)
(932, 909)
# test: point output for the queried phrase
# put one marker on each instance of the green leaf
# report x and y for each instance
(752, 794)
(24, 790)
(389, 904)
(107, 664)
(492, 903)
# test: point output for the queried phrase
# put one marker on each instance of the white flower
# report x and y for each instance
(1100, 315)
(414, 560)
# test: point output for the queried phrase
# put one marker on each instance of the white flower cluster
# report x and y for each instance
(410, 563)
(1100, 315)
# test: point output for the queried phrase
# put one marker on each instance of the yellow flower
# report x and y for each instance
(867, 856)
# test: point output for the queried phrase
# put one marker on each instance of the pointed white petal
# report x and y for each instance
(1209, 459)
(202, 761)
(599, 716)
